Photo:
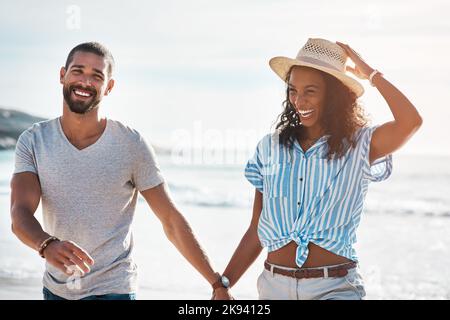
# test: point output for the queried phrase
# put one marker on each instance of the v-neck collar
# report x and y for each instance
(91, 146)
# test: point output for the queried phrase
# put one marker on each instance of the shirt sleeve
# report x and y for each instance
(146, 171)
(381, 168)
(24, 158)
(253, 169)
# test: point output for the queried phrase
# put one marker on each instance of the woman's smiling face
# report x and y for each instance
(307, 90)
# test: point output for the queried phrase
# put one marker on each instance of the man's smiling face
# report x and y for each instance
(85, 82)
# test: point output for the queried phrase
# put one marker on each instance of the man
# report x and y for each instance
(88, 172)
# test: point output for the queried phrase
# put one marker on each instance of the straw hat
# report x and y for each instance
(322, 55)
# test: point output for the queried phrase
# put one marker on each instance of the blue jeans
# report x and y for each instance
(48, 295)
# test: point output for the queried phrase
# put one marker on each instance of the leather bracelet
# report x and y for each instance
(45, 244)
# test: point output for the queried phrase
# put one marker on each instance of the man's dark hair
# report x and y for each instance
(95, 48)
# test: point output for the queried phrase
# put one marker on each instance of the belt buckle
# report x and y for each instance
(295, 273)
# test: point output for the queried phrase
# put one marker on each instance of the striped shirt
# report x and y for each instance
(307, 198)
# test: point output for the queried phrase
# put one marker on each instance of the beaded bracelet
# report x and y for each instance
(374, 72)
(45, 244)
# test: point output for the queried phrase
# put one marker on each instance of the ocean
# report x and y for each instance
(418, 190)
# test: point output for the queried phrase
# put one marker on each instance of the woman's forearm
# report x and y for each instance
(404, 112)
(246, 253)
(407, 119)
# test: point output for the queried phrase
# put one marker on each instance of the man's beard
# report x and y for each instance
(80, 107)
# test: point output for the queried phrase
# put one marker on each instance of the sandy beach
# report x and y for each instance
(401, 257)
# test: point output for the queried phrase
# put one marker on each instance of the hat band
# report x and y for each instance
(317, 62)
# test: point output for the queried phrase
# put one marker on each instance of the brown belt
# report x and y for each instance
(333, 272)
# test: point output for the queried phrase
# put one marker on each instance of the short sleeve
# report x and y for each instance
(381, 168)
(24, 158)
(146, 171)
(253, 169)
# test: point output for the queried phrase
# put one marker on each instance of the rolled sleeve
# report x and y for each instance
(381, 168)
(253, 175)
(253, 169)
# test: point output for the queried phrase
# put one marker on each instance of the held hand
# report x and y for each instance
(68, 257)
(362, 70)
(222, 294)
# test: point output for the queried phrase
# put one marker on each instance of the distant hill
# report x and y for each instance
(12, 124)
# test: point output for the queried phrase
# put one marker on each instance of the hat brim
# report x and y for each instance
(282, 65)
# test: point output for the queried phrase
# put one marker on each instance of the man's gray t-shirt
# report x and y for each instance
(89, 197)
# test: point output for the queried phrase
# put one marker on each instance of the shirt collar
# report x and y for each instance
(314, 147)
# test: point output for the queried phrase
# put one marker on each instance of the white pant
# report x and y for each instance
(272, 286)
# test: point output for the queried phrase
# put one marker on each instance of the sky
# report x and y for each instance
(196, 72)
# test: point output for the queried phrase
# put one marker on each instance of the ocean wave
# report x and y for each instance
(203, 197)
(19, 274)
(407, 212)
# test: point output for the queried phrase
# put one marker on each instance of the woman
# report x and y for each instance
(311, 176)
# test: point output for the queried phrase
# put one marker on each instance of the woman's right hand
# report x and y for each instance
(68, 257)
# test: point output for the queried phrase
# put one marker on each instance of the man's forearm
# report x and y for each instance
(27, 228)
(182, 236)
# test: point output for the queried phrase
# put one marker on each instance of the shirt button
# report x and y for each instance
(301, 179)
(298, 203)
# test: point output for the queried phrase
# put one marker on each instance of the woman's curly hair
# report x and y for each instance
(342, 116)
